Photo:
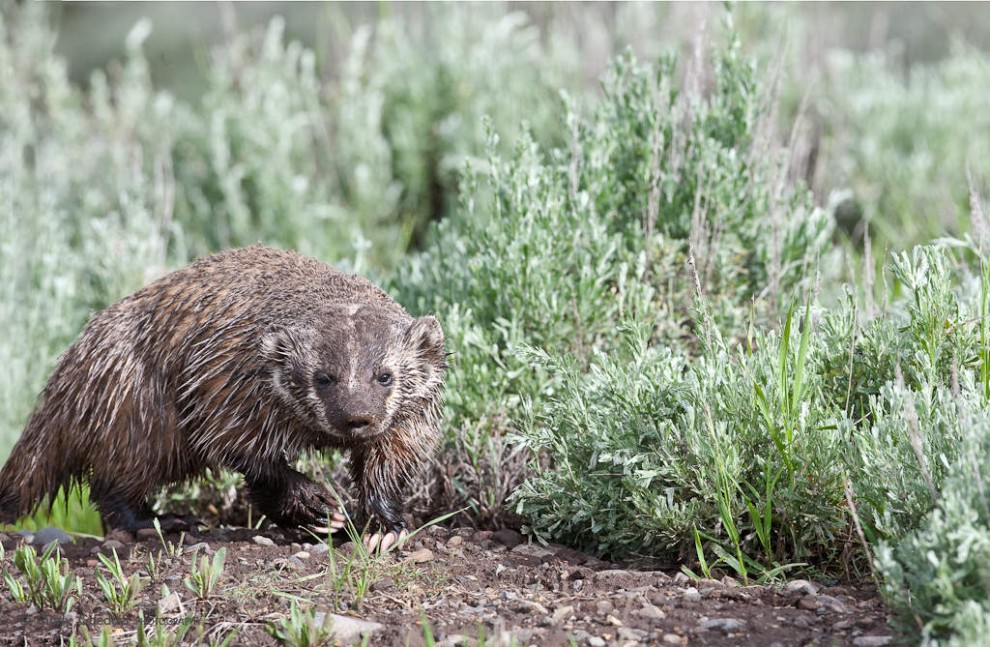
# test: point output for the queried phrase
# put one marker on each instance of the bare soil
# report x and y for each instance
(455, 586)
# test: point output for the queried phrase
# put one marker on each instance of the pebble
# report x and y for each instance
(420, 556)
(629, 633)
(674, 639)
(872, 641)
(169, 603)
(563, 613)
(263, 541)
(604, 606)
(347, 630)
(691, 594)
(283, 564)
(532, 550)
(528, 606)
(801, 586)
(302, 554)
(650, 612)
(203, 546)
(318, 549)
(681, 578)
(808, 603)
(730, 581)
(728, 625)
(455, 541)
(113, 544)
(507, 537)
(595, 641)
(146, 533)
(832, 604)
(46, 535)
(481, 535)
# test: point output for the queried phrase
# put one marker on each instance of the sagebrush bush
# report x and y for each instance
(936, 575)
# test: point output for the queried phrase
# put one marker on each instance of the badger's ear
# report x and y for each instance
(285, 347)
(425, 337)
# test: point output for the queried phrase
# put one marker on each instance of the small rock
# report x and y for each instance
(629, 633)
(455, 640)
(113, 544)
(383, 584)
(48, 534)
(420, 556)
(808, 603)
(691, 594)
(302, 554)
(872, 641)
(730, 581)
(348, 630)
(728, 625)
(170, 603)
(842, 625)
(563, 613)
(674, 639)
(650, 612)
(595, 641)
(577, 585)
(533, 550)
(318, 549)
(507, 537)
(528, 606)
(801, 586)
(263, 541)
(283, 564)
(612, 620)
(482, 535)
(189, 540)
(455, 541)
(681, 578)
(144, 534)
(203, 546)
(832, 604)
(603, 606)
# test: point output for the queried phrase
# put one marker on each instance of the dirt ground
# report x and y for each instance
(455, 587)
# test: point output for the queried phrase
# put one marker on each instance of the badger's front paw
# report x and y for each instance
(382, 541)
(299, 502)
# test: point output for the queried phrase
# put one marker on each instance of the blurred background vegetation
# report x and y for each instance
(718, 274)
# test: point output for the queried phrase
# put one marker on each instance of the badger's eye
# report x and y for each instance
(385, 378)
(322, 380)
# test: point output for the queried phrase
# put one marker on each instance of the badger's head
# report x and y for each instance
(357, 371)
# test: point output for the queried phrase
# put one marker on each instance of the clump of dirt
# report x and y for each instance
(454, 586)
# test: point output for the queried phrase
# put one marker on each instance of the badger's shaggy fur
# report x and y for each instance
(239, 360)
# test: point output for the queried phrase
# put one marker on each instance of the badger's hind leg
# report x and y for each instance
(118, 511)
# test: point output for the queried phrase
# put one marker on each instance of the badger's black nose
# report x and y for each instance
(358, 422)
